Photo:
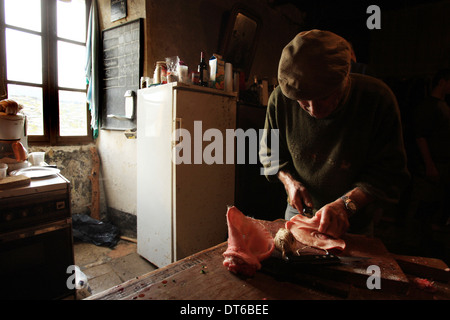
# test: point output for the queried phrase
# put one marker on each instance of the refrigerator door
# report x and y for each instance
(205, 187)
(154, 172)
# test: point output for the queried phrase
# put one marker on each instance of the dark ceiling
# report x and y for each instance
(346, 18)
(346, 8)
(321, 13)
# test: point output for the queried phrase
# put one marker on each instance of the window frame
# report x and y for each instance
(49, 84)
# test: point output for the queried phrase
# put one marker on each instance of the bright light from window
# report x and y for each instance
(31, 99)
(71, 20)
(71, 63)
(24, 14)
(72, 113)
(23, 56)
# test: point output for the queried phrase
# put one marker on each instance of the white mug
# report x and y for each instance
(37, 158)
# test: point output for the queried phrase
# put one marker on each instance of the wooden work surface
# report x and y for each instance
(10, 182)
(202, 276)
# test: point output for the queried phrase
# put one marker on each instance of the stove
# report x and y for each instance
(36, 246)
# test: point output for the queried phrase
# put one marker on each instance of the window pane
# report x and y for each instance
(71, 63)
(71, 19)
(23, 13)
(72, 113)
(23, 56)
(31, 99)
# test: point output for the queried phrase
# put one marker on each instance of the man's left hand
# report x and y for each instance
(333, 219)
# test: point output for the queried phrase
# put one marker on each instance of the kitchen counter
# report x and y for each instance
(202, 276)
(50, 183)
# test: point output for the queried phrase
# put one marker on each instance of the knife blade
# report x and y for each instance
(322, 259)
(307, 212)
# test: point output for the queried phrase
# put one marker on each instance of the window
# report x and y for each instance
(43, 44)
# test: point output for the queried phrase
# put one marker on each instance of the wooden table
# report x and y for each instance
(202, 276)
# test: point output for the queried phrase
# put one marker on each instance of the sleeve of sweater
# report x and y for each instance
(273, 153)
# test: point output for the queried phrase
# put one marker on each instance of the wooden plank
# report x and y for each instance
(429, 268)
(36, 186)
(10, 182)
(94, 177)
(203, 277)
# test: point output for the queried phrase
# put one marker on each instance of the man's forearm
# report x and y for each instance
(285, 177)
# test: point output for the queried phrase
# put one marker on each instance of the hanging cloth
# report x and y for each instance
(92, 67)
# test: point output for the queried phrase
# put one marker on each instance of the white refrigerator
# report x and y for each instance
(181, 208)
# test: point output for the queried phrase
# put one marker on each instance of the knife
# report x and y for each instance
(307, 212)
(322, 259)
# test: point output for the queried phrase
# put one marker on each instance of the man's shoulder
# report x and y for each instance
(278, 93)
(364, 80)
(371, 86)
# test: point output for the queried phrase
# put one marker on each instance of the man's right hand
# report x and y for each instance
(296, 191)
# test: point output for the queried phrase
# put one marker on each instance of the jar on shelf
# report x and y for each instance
(160, 75)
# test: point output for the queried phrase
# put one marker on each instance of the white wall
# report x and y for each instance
(118, 170)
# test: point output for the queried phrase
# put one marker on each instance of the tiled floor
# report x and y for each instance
(108, 267)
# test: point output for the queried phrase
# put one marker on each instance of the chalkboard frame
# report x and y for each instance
(120, 45)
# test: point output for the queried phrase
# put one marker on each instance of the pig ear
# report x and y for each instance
(257, 238)
(305, 230)
(248, 239)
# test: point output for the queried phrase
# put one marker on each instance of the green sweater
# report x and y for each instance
(359, 144)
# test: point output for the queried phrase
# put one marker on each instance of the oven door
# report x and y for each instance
(33, 262)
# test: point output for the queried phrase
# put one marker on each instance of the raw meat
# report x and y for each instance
(425, 284)
(249, 242)
(305, 231)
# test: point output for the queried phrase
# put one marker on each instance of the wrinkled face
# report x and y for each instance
(321, 108)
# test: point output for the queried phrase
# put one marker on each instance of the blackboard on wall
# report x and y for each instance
(122, 69)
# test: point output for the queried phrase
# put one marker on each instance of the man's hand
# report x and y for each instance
(333, 216)
(297, 193)
(333, 219)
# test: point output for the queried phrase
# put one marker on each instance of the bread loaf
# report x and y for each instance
(10, 106)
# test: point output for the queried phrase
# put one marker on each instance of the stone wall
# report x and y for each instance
(75, 163)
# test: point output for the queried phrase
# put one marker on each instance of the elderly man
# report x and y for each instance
(340, 140)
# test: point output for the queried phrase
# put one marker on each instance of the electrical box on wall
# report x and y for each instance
(129, 104)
